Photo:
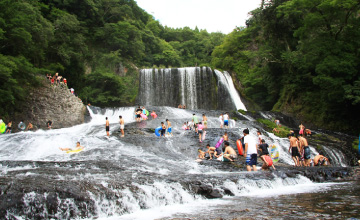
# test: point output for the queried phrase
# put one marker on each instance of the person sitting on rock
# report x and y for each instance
(229, 154)
(320, 160)
(179, 106)
(276, 130)
(78, 146)
(201, 154)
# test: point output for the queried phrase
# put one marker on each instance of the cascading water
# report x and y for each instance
(120, 177)
(195, 87)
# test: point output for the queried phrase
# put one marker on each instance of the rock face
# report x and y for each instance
(55, 103)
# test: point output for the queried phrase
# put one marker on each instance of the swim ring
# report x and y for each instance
(157, 131)
(2, 128)
(22, 126)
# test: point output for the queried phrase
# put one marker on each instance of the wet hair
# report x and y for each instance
(225, 132)
(106, 118)
(78, 142)
(199, 122)
(289, 135)
(167, 120)
(226, 143)
(246, 131)
(162, 122)
(194, 114)
(259, 132)
(262, 141)
(208, 145)
(120, 116)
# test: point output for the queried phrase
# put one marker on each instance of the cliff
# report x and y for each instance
(55, 103)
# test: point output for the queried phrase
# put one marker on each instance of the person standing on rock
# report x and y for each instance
(226, 120)
(250, 151)
(168, 127)
(138, 112)
(163, 129)
(294, 149)
(195, 120)
(302, 128)
(49, 124)
(8, 129)
(107, 127)
(122, 125)
(200, 128)
(221, 118)
(305, 150)
(204, 120)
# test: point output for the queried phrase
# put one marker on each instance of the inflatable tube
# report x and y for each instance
(203, 136)
(74, 151)
(157, 131)
(143, 116)
(147, 112)
(2, 128)
(274, 153)
(153, 115)
(239, 147)
(218, 144)
(22, 126)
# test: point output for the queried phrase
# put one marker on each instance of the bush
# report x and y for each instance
(270, 125)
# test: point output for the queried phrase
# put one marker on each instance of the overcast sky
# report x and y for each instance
(212, 15)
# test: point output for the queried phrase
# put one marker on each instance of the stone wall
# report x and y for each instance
(55, 103)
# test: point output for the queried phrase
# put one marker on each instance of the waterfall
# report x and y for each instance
(195, 87)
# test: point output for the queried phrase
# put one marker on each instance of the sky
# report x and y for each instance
(212, 15)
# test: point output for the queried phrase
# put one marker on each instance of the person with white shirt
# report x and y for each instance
(250, 151)
(221, 118)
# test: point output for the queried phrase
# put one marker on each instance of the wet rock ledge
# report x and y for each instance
(55, 103)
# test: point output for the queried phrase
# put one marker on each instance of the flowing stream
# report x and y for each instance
(140, 176)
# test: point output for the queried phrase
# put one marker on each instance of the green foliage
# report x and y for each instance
(355, 144)
(270, 125)
(302, 57)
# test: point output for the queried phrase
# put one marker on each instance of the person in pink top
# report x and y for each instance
(200, 128)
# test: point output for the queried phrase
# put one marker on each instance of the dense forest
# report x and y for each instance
(296, 56)
(97, 45)
(300, 57)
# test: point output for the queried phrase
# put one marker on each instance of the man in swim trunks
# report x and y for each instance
(122, 125)
(229, 153)
(168, 127)
(8, 129)
(210, 151)
(320, 160)
(250, 152)
(78, 146)
(107, 127)
(138, 112)
(226, 120)
(294, 149)
(163, 129)
(305, 150)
